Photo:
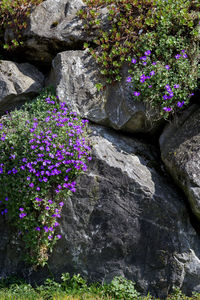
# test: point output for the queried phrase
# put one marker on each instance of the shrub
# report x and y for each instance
(13, 15)
(43, 148)
(164, 28)
(161, 85)
(121, 288)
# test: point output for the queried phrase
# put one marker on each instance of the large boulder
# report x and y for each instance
(180, 150)
(18, 83)
(125, 218)
(54, 27)
(74, 75)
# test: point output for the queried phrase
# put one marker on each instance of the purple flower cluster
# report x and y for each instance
(170, 91)
(57, 153)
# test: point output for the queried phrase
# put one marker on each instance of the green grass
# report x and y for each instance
(76, 288)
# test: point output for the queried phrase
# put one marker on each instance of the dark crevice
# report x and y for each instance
(66, 9)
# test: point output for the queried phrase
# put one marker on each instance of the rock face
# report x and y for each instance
(54, 27)
(180, 150)
(125, 219)
(18, 83)
(74, 75)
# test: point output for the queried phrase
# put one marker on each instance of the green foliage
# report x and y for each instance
(43, 148)
(76, 288)
(13, 16)
(163, 27)
(127, 19)
(166, 87)
(121, 288)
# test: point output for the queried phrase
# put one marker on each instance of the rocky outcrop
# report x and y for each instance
(18, 83)
(127, 217)
(180, 150)
(74, 75)
(54, 27)
(124, 219)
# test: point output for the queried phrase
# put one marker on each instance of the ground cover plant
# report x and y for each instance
(77, 288)
(164, 29)
(43, 148)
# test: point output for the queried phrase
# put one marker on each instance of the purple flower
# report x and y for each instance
(37, 228)
(38, 199)
(21, 209)
(136, 94)
(133, 61)
(22, 215)
(61, 204)
(31, 185)
(56, 224)
(154, 63)
(185, 55)
(142, 78)
(176, 86)
(167, 108)
(143, 57)
(149, 86)
(59, 236)
(128, 79)
(168, 88)
(28, 178)
(177, 56)
(165, 97)
(148, 52)
(50, 236)
(152, 73)
(180, 104)
(46, 228)
(47, 207)
(144, 63)
(167, 67)
(191, 95)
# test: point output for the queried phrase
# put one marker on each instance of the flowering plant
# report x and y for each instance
(161, 84)
(14, 15)
(43, 148)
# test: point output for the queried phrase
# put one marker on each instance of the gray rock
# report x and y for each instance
(124, 219)
(54, 27)
(180, 150)
(18, 83)
(74, 75)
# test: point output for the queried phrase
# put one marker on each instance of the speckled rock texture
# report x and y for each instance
(54, 27)
(18, 83)
(74, 75)
(126, 218)
(180, 150)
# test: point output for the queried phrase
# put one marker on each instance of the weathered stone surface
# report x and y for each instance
(74, 75)
(124, 219)
(54, 27)
(180, 150)
(18, 83)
